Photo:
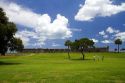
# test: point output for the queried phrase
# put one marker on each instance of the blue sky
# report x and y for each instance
(48, 23)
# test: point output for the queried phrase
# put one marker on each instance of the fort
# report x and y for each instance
(47, 50)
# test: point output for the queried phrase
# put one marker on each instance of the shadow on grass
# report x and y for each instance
(8, 63)
(80, 59)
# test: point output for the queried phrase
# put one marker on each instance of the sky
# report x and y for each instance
(49, 23)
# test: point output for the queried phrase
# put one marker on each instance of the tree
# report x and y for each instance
(82, 45)
(68, 44)
(16, 45)
(7, 32)
(118, 42)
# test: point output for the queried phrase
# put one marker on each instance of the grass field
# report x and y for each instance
(57, 68)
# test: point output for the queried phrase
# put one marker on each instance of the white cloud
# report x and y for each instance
(106, 41)
(105, 36)
(95, 40)
(24, 37)
(107, 33)
(42, 27)
(111, 30)
(76, 30)
(98, 8)
(120, 35)
(27, 36)
(123, 24)
(55, 44)
(102, 33)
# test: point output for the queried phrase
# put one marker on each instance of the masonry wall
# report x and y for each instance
(40, 50)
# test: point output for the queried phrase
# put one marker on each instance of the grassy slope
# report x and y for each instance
(56, 68)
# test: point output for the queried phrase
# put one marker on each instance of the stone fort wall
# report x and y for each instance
(42, 50)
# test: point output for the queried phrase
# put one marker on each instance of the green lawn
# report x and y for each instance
(57, 68)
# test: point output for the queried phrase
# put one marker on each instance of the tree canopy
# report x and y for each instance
(118, 42)
(68, 43)
(7, 32)
(80, 45)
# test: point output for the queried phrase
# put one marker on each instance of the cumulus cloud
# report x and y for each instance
(106, 41)
(120, 35)
(98, 8)
(25, 36)
(105, 36)
(102, 33)
(111, 30)
(95, 40)
(41, 26)
(112, 34)
(55, 44)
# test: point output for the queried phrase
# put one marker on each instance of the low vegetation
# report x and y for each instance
(57, 68)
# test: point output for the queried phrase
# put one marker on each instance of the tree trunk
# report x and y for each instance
(118, 48)
(68, 52)
(3, 53)
(82, 54)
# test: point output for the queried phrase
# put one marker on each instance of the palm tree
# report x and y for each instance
(68, 43)
(118, 42)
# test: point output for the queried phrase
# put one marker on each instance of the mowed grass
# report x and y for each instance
(57, 68)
